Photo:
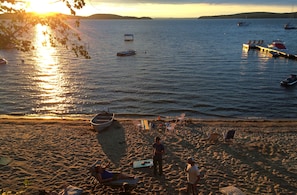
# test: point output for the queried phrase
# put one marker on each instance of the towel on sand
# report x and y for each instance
(4, 160)
(231, 190)
(71, 190)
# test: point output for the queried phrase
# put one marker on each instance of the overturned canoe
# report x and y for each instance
(102, 120)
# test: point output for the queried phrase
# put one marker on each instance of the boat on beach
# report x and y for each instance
(291, 80)
(102, 120)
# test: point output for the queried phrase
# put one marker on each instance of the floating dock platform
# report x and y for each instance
(274, 52)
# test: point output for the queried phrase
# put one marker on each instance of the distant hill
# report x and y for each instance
(253, 15)
(95, 16)
(113, 16)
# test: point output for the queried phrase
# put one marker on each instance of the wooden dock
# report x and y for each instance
(273, 52)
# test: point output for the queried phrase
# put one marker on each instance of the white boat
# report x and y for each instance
(291, 80)
(3, 61)
(277, 45)
(289, 26)
(129, 37)
(102, 120)
(242, 23)
(126, 53)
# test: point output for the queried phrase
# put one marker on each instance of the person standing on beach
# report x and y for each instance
(193, 176)
(158, 152)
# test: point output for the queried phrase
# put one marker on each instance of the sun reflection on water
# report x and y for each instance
(49, 75)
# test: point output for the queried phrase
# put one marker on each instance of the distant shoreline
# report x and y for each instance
(252, 15)
(94, 16)
(248, 15)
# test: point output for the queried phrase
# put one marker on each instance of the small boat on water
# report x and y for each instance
(242, 23)
(291, 80)
(102, 120)
(126, 53)
(129, 37)
(3, 61)
(289, 26)
(274, 54)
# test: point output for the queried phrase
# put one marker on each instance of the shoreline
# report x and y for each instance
(235, 123)
(123, 117)
(50, 153)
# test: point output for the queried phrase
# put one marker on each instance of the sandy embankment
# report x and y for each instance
(51, 153)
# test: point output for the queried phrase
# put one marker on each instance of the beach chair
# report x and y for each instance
(212, 138)
(138, 124)
(181, 118)
(132, 183)
(170, 127)
(145, 125)
(229, 136)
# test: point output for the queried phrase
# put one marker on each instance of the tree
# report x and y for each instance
(17, 23)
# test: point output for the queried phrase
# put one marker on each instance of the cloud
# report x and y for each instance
(238, 2)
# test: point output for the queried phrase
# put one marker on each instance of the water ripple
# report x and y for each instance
(192, 66)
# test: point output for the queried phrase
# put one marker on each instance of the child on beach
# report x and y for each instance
(193, 176)
(158, 152)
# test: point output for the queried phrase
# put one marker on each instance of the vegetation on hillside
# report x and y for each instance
(253, 15)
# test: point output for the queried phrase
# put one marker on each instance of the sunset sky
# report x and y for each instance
(184, 8)
(170, 8)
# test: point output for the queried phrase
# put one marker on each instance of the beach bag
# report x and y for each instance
(71, 190)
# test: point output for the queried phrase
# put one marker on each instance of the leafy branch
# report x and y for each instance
(17, 24)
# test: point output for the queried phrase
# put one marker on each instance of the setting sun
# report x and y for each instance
(46, 6)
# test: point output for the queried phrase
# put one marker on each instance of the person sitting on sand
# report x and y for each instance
(193, 176)
(104, 175)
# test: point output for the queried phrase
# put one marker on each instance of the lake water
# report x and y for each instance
(192, 66)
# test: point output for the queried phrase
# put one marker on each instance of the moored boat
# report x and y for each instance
(126, 53)
(129, 37)
(274, 54)
(289, 26)
(3, 61)
(242, 23)
(277, 45)
(291, 80)
(102, 120)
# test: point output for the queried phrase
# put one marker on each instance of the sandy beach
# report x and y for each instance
(48, 154)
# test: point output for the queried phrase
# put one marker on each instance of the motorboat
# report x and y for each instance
(274, 54)
(126, 53)
(289, 26)
(291, 80)
(277, 45)
(242, 24)
(102, 120)
(3, 61)
(129, 37)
